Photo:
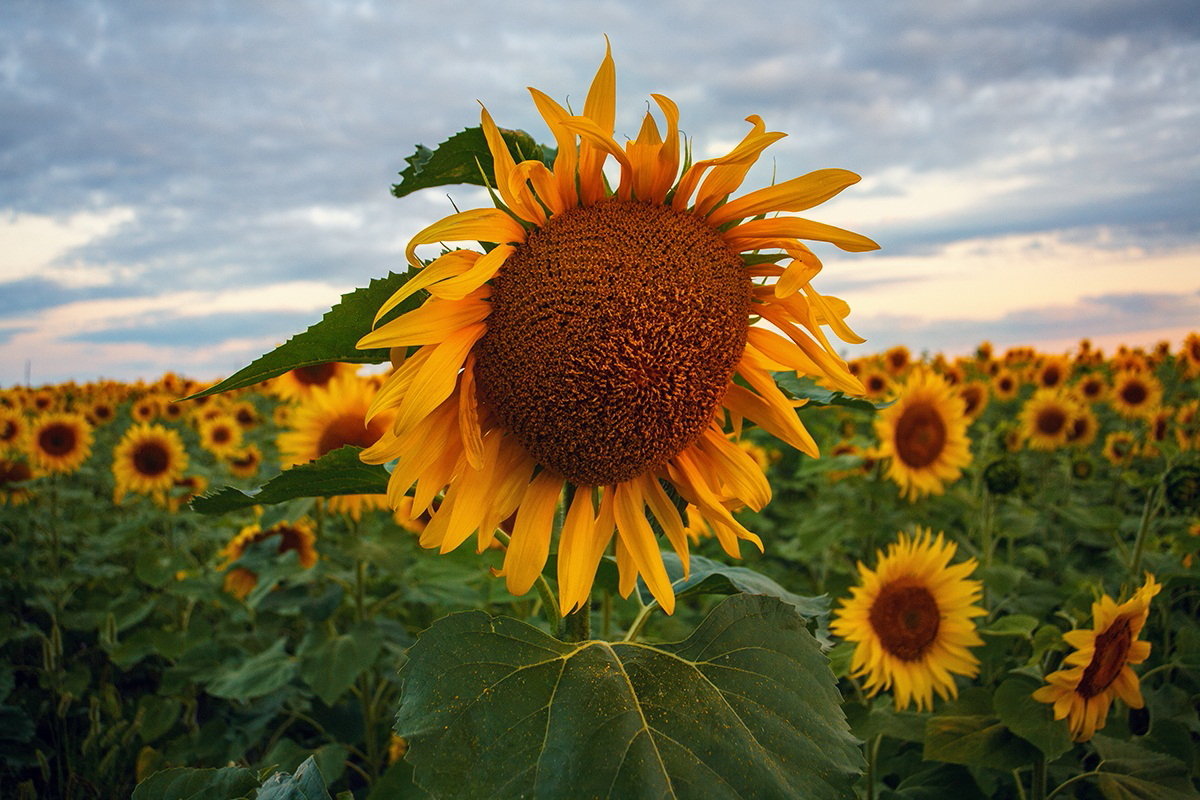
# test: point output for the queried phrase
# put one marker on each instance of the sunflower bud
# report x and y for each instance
(1183, 487)
(1002, 477)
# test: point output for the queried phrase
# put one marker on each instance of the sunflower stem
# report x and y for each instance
(1037, 787)
(640, 621)
(872, 758)
(579, 624)
(1153, 501)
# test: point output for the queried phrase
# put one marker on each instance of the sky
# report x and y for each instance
(184, 186)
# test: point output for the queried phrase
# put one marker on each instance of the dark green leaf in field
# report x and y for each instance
(15, 724)
(463, 158)
(936, 782)
(882, 719)
(332, 339)
(1131, 772)
(744, 707)
(287, 756)
(306, 783)
(256, 676)
(337, 472)
(819, 396)
(181, 783)
(1021, 625)
(712, 577)
(158, 714)
(978, 741)
(331, 667)
(397, 784)
(1032, 721)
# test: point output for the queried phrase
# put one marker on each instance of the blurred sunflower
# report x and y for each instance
(59, 442)
(298, 536)
(974, 395)
(1091, 388)
(298, 383)
(13, 472)
(1135, 394)
(144, 409)
(184, 490)
(100, 412)
(220, 435)
(148, 460)
(12, 430)
(1046, 419)
(1005, 385)
(1082, 429)
(332, 417)
(1053, 372)
(43, 400)
(924, 435)
(244, 463)
(911, 621)
(594, 347)
(876, 384)
(896, 360)
(1099, 670)
(1189, 355)
(245, 414)
(1119, 447)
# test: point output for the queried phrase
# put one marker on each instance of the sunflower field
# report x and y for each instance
(595, 508)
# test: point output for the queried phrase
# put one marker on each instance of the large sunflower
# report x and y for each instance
(59, 442)
(331, 417)
(592, 350)
(1099, 669)
(148, 460)
(911, 621)
(924, 434)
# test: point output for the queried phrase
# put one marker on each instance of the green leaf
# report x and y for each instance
(713, 577)
(306, 783)
(182, 783)
(331, 667)
(819, 396)
(882, 719)
(1021, 625)
(256, 676)
(337, 472)
(976, 740)
(1032, 721)
(463, 158)
(332, 339)
(744, 707)
(1131, 772)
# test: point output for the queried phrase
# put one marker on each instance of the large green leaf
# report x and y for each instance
(744, 707)
(331, 667)
(306, 783)
(258, 675)
(463, 158)
(1131, 772)
(977, 741)
(820, 396)
(335, 473)
(332, 339)
(182, 783)
(1032, 721)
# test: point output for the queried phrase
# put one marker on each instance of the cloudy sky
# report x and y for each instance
(183, 186)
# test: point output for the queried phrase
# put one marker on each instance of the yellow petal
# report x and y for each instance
(433, 322)
(530, 543)
(468, 415)
(476, 225)
(639, 541)
(566, 160)
(481, 271)
(575, 572)
(448, 265)
(797, 194)
(513, 191)
(436, 378)
(795, 227)
(601, 108)
(668, 518)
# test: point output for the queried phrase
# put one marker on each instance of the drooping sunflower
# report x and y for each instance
(593, 348)
(911, 621)
(1135, 394)
(59, 442)
(298, 383)
(1046, 419)
(13, 473)
(1120, 448)
(924, 435)
(148, 460)
(298, 536)
(1099, 670)
(331, 417)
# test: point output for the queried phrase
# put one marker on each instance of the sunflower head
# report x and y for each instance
(298, 536)
(220, 435)
(924, 433)
(1047, 419)
(601, 347)
(59, 442)
(14, 472)
(1135, 393)
(1099, 669)
(148, 460)
(911, 620)
(12, 430)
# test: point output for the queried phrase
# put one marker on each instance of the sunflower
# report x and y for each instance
(245, 462)
(924, 434)
(145, 409)
(1099, 670)
(43, 400)
(298, 383)
(1005, 385)
(1046, 419)
(148, 460)
(100, 412)
(1119, 447)
(1091, 388)
(220, 435)
(1189, 355)
(12, 430)
(911, 621)
(14, 472)
(59, 442)
(896, 360)
(246, 414)
(974, 395)
(1083, 427)
(876, 383)
(184, 490)
(593, 349)
(1053, 372)
(1135, 394)
(298, 536)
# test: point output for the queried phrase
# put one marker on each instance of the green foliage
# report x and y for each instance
(338, 472)
(332, 339)
(463, 158)
(744, 707)
(196, 784)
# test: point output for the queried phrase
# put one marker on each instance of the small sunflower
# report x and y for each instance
(877, 383)
(1046, 419)
(245, 462)
(590, 355)
(101, 412)
(911, 619)
(1135, 394)
(220, 435)
(924, 434)
(144, 409)
(299, 383)
(1099, 670)
(1189, 355)
(246, 414)
(12, 430)
(974, 395)
(1053, 372)
(332, 417)
(298, 536)
(1120, 448)
(1091, 388)
(1083, 427)
(13, 473)
(1005, 384)
(184, 490)
(59, 442)
(896, 360)
(148, 460)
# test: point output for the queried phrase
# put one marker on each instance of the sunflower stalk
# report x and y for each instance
(1149, 511)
